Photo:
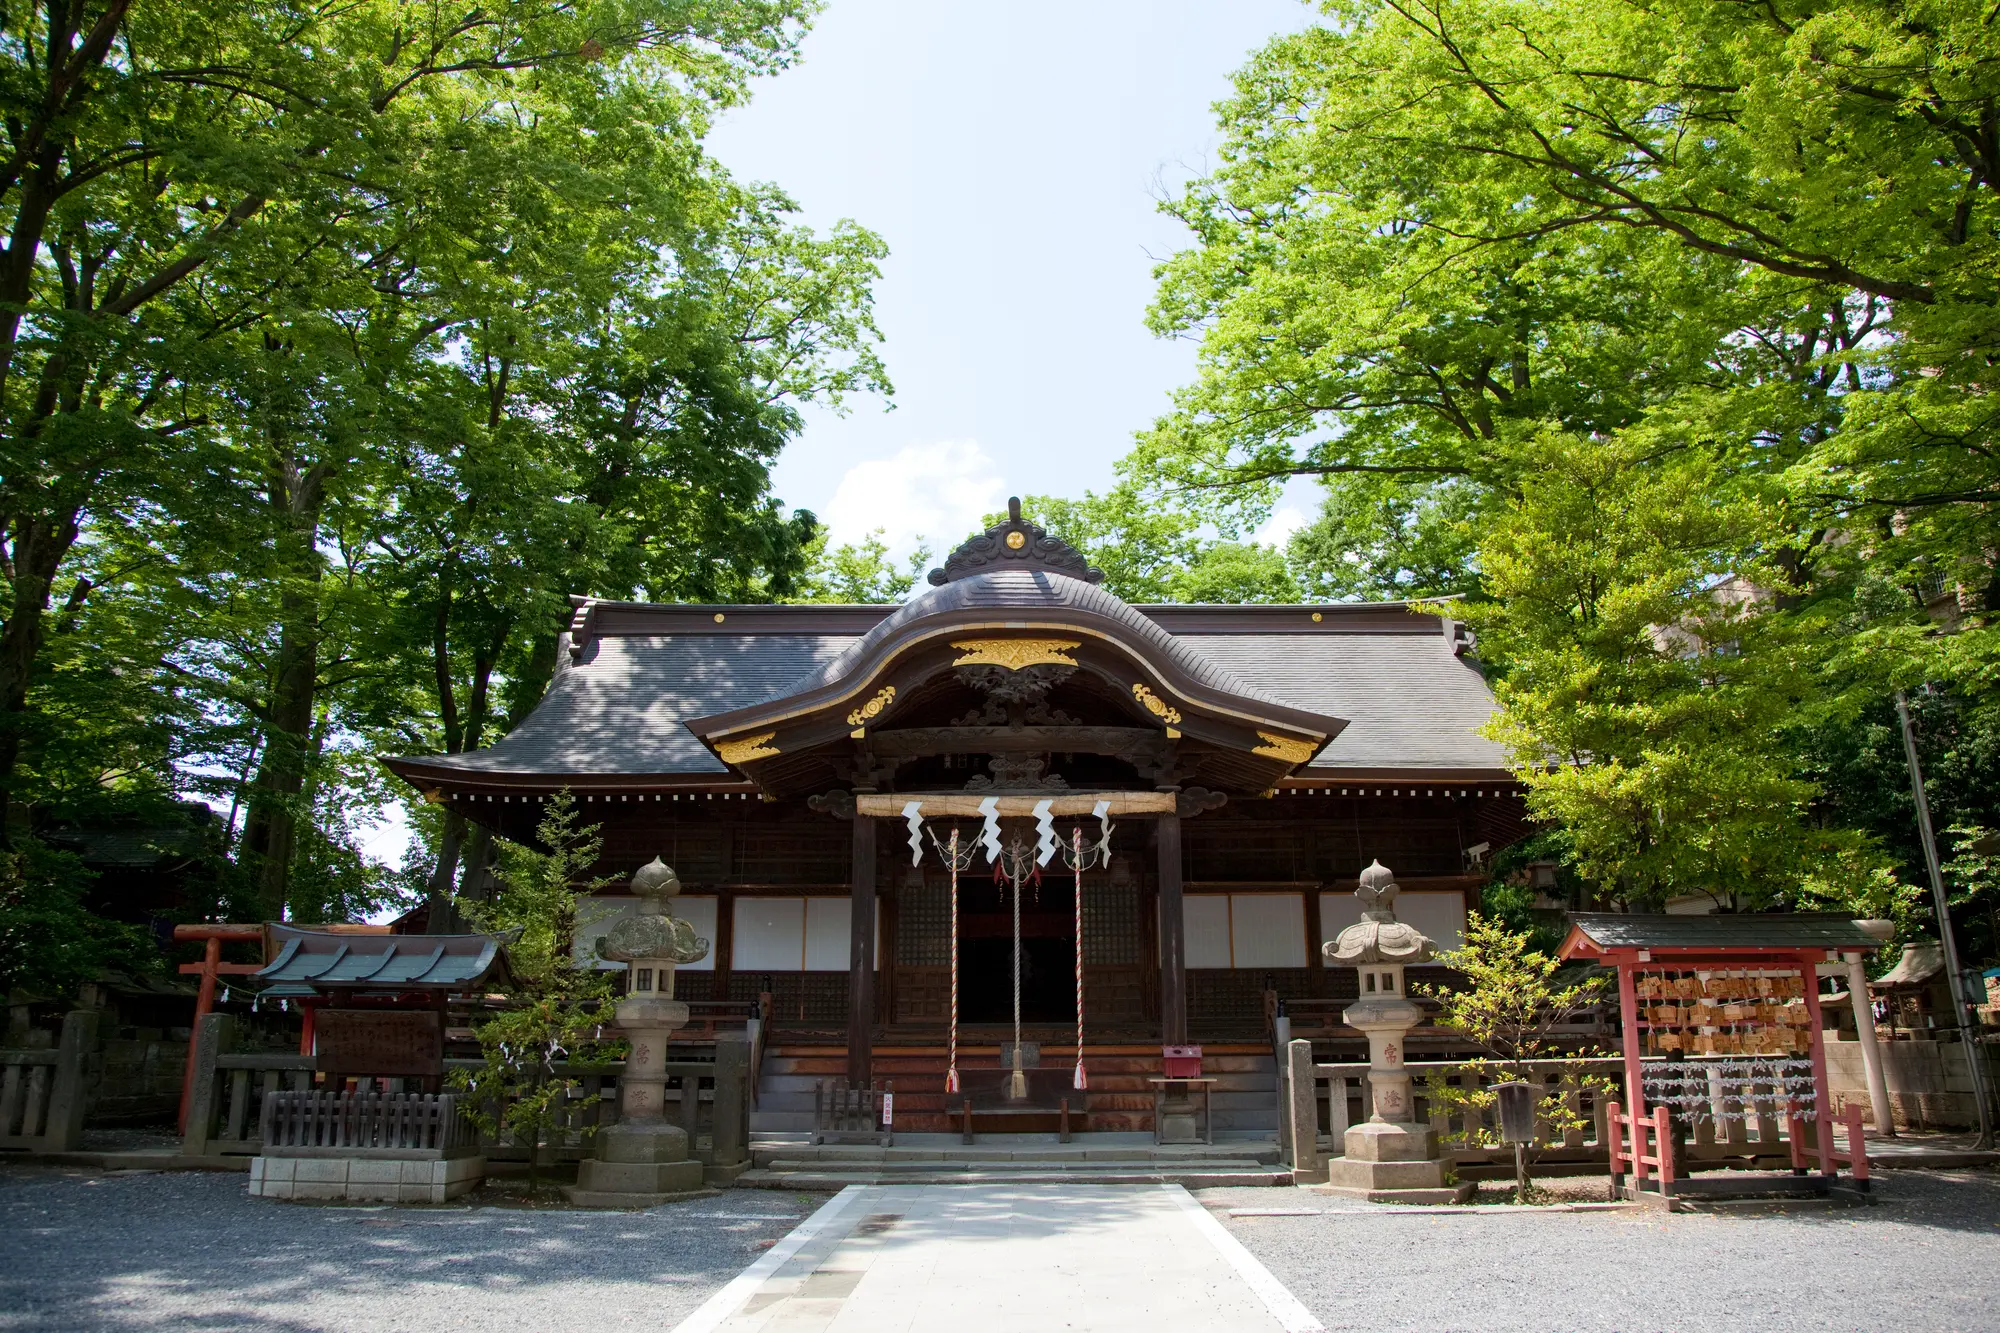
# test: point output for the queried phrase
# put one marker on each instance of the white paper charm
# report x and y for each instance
(1045, 827)
(989, 836)
(913, 815)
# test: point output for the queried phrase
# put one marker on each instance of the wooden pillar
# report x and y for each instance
(723, 949)
(1315, 955)
(861, 956)
(1173, 935)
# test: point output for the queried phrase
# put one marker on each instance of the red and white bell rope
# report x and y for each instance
(951, 1042)
(1076, 842)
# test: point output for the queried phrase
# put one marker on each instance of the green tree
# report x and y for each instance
(1645, 677)
(487, 329)
(858, 572)
(533, 1049)
(1510, 1001)
(1156, 547)
(167, 166)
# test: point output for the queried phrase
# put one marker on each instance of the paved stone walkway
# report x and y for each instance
(881, 1259)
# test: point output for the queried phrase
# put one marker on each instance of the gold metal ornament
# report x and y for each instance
(1283, 747)
(1016, 540)
(752, 747)
(1155, 705)
(1014, 654)
(873, 708)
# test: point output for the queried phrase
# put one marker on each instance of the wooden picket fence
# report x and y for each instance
(233, 1091)
(428, 1122)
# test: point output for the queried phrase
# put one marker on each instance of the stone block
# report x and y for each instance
(638, 1177)
(1373, 1141)
(383, 1173)
(457, 1169)
(320, 1170)
(318, 1189)
(1348, 1173)
(642, 1142)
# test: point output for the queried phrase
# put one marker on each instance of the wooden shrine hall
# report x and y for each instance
(1213, 777)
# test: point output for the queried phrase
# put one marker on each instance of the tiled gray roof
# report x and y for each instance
(1411, 703)
(1409, 700)
(620, 710)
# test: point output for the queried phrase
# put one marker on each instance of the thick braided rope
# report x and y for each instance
(1016, 884)
(951, 1048)
(1076, 843)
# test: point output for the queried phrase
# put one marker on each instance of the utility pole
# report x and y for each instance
(1961, 1006)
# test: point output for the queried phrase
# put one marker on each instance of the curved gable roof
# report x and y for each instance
(1037, 593)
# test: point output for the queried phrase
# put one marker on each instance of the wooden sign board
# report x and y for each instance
(381, 1043)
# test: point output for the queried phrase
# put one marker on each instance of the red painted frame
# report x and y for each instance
(1629, 960)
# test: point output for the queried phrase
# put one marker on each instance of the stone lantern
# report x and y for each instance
(1389, 1157)
(643, 1160)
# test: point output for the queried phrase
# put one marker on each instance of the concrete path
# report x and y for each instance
(881, 1259)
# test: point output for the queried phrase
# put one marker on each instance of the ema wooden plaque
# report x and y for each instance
(380, 1043)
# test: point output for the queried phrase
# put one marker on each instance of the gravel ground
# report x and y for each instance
(1926, 1257)
(82, 1251)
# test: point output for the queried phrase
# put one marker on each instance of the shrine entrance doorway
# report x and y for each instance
(1048, 953)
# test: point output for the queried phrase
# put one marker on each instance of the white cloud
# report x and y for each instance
(1280, 526)
(928, 494)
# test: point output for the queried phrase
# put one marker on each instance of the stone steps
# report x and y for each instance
(1192, 1175)
(939, 1159)
(800, 1156)
(1118, 1098)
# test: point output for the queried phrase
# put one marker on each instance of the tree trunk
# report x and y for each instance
(40, 544)
(270, 833)
(441, 918)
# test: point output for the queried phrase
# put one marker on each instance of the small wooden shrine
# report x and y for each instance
(1720, 1016)
(380, 1126)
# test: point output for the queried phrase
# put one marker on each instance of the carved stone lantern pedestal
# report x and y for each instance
(1389, 1157)
(643, 1159)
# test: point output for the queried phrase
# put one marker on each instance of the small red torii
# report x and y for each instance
(208, 969)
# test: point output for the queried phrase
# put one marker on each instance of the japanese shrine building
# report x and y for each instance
(1256, 757)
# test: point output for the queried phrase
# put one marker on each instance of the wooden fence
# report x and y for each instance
(45, 1093)
(709, 1099)
(386, 1122)
(1744, 1125)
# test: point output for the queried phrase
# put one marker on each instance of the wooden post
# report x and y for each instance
(861, 957)
(1628, 1022)
(1315, 929)
(1173, 935)
(723, 950)
(1823, 1095)
(1303, 1111)
(62, 1128)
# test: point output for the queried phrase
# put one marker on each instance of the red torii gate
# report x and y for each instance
(208, 969)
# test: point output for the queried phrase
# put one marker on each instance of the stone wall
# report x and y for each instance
(139, 1079)
(1929, 1084)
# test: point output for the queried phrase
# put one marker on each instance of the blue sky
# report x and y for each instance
(1011, 156)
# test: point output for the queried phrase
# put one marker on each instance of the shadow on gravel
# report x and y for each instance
(82, 1250)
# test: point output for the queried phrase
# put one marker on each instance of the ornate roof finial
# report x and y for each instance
(1015, 544)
